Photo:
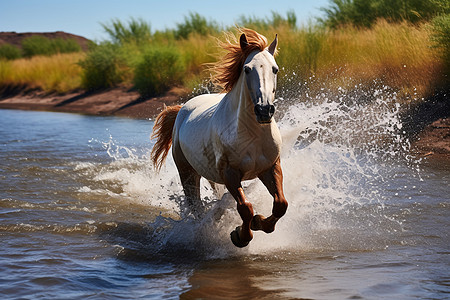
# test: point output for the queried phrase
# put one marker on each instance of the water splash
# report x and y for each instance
(338, 153)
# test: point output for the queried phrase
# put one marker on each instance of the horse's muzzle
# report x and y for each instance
(264, 113)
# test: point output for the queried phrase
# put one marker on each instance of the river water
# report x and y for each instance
(84, 216)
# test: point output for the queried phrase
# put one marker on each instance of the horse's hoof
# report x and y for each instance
(236, 239)
(256, 223)
(261, 223)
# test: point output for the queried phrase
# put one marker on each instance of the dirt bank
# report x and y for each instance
(427, 125)
(117, 101)
(434, 140)
(15, 38)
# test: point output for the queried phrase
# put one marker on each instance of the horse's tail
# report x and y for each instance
(162, 131)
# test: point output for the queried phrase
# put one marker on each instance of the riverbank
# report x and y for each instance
(110, 102)
(432, 140)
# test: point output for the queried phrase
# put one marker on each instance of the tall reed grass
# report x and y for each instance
(399, 55)
(59, 73)
(396, 54)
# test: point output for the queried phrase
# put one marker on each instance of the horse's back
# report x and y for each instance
(197, 112)
(201, 107)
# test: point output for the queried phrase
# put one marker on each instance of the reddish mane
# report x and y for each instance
(227, 70)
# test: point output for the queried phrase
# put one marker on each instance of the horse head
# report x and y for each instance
(260, 71)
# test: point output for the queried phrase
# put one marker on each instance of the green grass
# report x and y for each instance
(59, 73)
(366, 13)
(405, 56)
(441, 39)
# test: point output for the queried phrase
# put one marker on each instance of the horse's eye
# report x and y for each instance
(275, 70)
(247, 70)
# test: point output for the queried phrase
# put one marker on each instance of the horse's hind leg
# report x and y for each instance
(218, 189)
(191, 186)
(190, 180)
(273, 180)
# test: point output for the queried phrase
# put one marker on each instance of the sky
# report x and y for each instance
(84, 17)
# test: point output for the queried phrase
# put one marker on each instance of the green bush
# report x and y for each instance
(136, 31)
(441, 38)
(60, 45)
(36, 45)
(274, 21)
(158, 69)
(39, 45)
(8, 51)
(102, 67)
(195, 23)
(364, 13)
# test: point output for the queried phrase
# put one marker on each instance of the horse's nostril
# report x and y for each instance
(271, 110)
(258, 109)
(264, 113)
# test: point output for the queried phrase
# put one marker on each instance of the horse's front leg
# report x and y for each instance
(273, 180)
(242, 235)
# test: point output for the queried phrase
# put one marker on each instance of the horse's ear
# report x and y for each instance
(273, 46)
(243, 41)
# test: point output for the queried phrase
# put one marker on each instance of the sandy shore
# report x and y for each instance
(433, 140)
(117, 102)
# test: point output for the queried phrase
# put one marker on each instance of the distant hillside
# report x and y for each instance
(15, 38)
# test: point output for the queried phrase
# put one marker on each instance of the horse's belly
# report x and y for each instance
(203, 159)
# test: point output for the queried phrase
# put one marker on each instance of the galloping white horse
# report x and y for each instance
(228, 138)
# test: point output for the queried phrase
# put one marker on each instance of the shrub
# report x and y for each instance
(136, 31)
(102, 67)
(8, 51)
(195, 23)
(60, 45)
(364, 13)
(274, 21)
(39, 45)
(158, 69)
(441, 38)
(36, 45)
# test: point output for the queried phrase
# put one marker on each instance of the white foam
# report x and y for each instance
(332, 172)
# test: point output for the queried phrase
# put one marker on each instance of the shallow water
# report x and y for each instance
(83, 214)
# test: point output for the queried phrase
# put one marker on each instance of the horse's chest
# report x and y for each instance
(252, 157)
(252, 164)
